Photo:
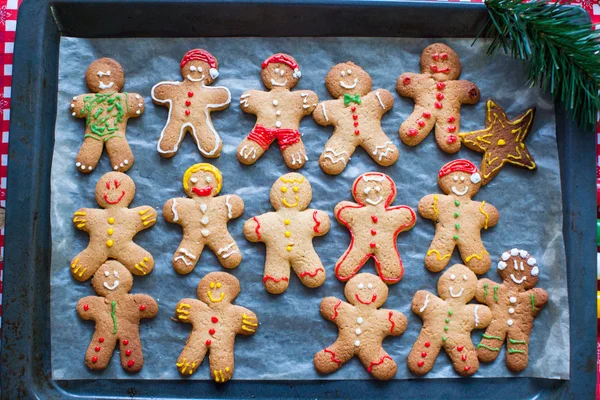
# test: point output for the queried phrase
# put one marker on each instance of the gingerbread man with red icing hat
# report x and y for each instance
(356, 116)
(117, 314)
(190, 103)
(374, 226)
(112, 229)
(447, 323)
(362, 327)
(215, 323)
(203, 217)
(278, 112)
(438, 96)
(288, 233)
(458, 219)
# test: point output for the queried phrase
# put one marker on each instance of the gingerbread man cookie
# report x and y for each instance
(117, 314)
(438, 96)
(112, 229)
(106, 112)
(514, 304)
(362, 328)
(190, 103)
(215, 323)
(278, 113)
(356, 116)
(447, 323)
(374, 226)
(288, 233)
(203, 218)
(458, 219)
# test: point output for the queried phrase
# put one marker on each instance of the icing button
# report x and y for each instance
(513, 299)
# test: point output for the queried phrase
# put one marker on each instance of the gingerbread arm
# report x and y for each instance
(234, 205)
(311, 101)
(145, 217)
(484, 292)
(80, 218)
(88, 307)
(490, 214)
(170, 211)
(482, 315)
(343, 210)
(321, 222)
(247, 323)
(409, 83)
(404, 217)
(323, 113)
(136, 105)
(187, 310)
(385, 100)
(428, 207)
(76, 108)
(423, 301)
(252, 229)
(330, 308)
(538, 298)
(396, 322)
(250, 101)
(163, 92)
(146, 305)
(468, 92)
(219, 97)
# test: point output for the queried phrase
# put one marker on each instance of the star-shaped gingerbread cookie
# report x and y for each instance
(502, 141)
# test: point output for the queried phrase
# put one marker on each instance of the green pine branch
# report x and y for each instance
(560, 50)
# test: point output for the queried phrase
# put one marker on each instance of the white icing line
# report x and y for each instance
(518, 281)
(223, 249)
(228, 254)
(175, 215)
(476, 316)
(457, 192)
(380, 101)
(113, 287)
(183, 259)
(425, 303)
(244, 99)
(458, 294)
(187, 253)
(324, 112)
(373, 202)
(228, 206)
(376, 178)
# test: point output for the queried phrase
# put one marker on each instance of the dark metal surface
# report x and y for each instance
(25, 367)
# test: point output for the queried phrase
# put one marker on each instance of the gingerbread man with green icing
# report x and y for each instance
(106, 112)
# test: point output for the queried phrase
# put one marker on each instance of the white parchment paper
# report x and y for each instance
(291, 329)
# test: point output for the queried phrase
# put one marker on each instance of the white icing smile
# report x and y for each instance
(457, 294)
(517, 281)
(346, 86)
(195, 80)
(102, 85)
(113, 286)
(375, 202)
(275, 83)
(458, 192)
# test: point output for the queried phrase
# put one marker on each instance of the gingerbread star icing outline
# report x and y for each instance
(501, 133)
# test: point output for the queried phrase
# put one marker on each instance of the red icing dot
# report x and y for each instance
(467, 367)
(128, 352)
(214, 320)
(426, 114)
(412, 132)
(86, 307)
(355, 117)
(211, 331)
(444, 56)
(353, 108)
(438, 105)
(451, 138)
(439, 96)
(423, 354)
(440, 85)
(374, 218)
(433, 68)
(451, 119)
(436, 56)
(421, 363)
(190, 94)
(130, 363)
(373, 244)
(97, 348)
(187, 112)
(373, 232)
(355, 123)
(125, 342)
(464, 357)
(451, 128)
(208, 342)
(427, 344)
(421, 123)
(460, 348)
(406, 80)
(188, 103)
(94, 359)
(356, 132)
(101, 340)
(142, 307)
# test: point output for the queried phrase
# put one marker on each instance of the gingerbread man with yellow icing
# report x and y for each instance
(288, 233)
(203, 218)
(215, 324)
(112, 229)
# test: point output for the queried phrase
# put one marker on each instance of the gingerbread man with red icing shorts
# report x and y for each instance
(278, 112)
(514, 304)
(190, 103)
(203, 218)
(112, 229)
(458, 219)
(447, 323)
(117, 314)
(215, 324)
(374, 226)
(362, 328)
(288, 233)
(438, 96)
(106, 112)
(356, 116)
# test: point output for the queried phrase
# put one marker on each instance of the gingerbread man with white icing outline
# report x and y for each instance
(106, 112)
(215, 323)
(278, 112)
(112, 229)
(438, 96)
(458, 219)
(190, 103)
(447, 323)
(514, 304)
(374, 226)
(288, 233)
(356, 116)
(362, 327)
(203, 218)
(117, 314)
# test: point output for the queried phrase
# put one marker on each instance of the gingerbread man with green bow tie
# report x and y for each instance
(356, 116)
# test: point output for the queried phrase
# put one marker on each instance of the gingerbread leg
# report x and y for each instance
(475, 256)
(461, 351)
(388, 262)
(381, 149)
(352, 260)
(170, 139)
(249, 152)
(517, 350)
(221, 362)
(208, 142)
(337, 153)
(378, 362)
(130, 347)
(333, 357)
(440, 251)
(136, 259)
(424, 353)
(86, 263)
(101, 349)
(121, 157)
(193, 354)
(417, 126)
(491, 341)
(187, 255)
(277, 273)
(89, 154)
(309, 268)
(446, 133)
(294, 156)
(227, 250)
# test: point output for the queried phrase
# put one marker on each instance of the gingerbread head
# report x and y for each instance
(105, 75)
(280, 70)
(202, 180)
(348, 79)
(112, 278)
(291, 191)
(366, 290)
(372, 188)
(441, 62)
(461, 178)
(114, 189)
(457, 283)
(218, 289)
(199, 66)
(518, 269)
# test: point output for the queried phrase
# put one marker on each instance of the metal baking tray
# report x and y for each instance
(25, 367)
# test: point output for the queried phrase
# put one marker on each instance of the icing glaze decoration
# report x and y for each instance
(379, 362)
(269, 277)
(335, 310)
(113, 315)
(425, 303)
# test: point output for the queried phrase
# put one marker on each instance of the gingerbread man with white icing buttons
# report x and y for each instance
(356, 116)
(112, 229)
(362, 327)
(374, 226)
(447, 323)
(288, 233)
(215, 323)
(458, 219)
(203, 218)
(117, 314)
(190, 103)
(278, 112)
(106, 112)
(514, 304)
(438, 96)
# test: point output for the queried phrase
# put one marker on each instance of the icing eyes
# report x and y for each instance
(194, 180)
(455, 178)
(535, 271)
(276, 70)
(281, 72)
(462, 178)
(295, 188)
(452, 277)
(465, 277)
(370, 286)
(193, 69)
(106, 273)
(116, 274)
(343, 73)
(377, 188)
(349, 72)
(284, 189)
(361, 286)
(208, 179)
(212, 285)
(219, 284)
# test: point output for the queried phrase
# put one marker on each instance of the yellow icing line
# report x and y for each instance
(182, 317)
(82, 271)
(180, 364)
(438, 255)
(145, 217)
(477, 256)
(185, 305)
(148, 222)
(291, 180)
(246, 322)
(142, 212)
(435, 210)
(77, 219)
(248, 329)
(75, 262)
(487, 217)
(79, 213)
